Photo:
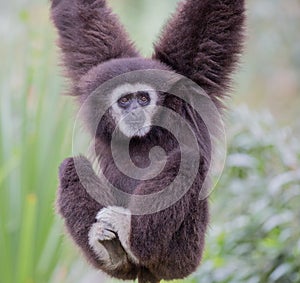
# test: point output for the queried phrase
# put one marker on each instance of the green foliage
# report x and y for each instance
(34, 137)
(254, 235)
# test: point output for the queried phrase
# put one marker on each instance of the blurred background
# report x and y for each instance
(254, 235)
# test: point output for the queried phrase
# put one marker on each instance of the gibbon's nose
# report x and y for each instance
(134, 105)
(136, 112)
(137, 116)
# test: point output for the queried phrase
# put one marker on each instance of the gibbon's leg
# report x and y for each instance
(79, 211)
(89, 34)
(172, 238)
(203, 41)
(170, 243)
(186, 246)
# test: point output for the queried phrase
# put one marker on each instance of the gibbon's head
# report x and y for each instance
(132, 103)
(133, 106)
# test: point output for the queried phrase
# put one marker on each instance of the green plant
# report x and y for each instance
(255, 228)
(35, 135)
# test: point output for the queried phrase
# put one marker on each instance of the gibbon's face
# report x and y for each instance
(133, 107)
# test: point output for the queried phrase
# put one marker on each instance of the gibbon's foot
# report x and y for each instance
(108, 250)
(112, 222)
(95, 235)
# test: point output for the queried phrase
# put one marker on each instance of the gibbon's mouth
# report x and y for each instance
(142, 131)
(137, 131)
(135, 121)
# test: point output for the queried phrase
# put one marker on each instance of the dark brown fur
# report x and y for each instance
(201, 41)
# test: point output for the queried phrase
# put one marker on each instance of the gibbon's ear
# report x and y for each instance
(89, 34)
(203, 41)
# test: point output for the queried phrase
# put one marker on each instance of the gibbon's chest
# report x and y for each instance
(128, 166)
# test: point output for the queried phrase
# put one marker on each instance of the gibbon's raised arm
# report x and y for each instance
(89, 34)
(202, 41)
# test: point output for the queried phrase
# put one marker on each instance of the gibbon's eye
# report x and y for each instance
(124, 101)
(143, 98)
